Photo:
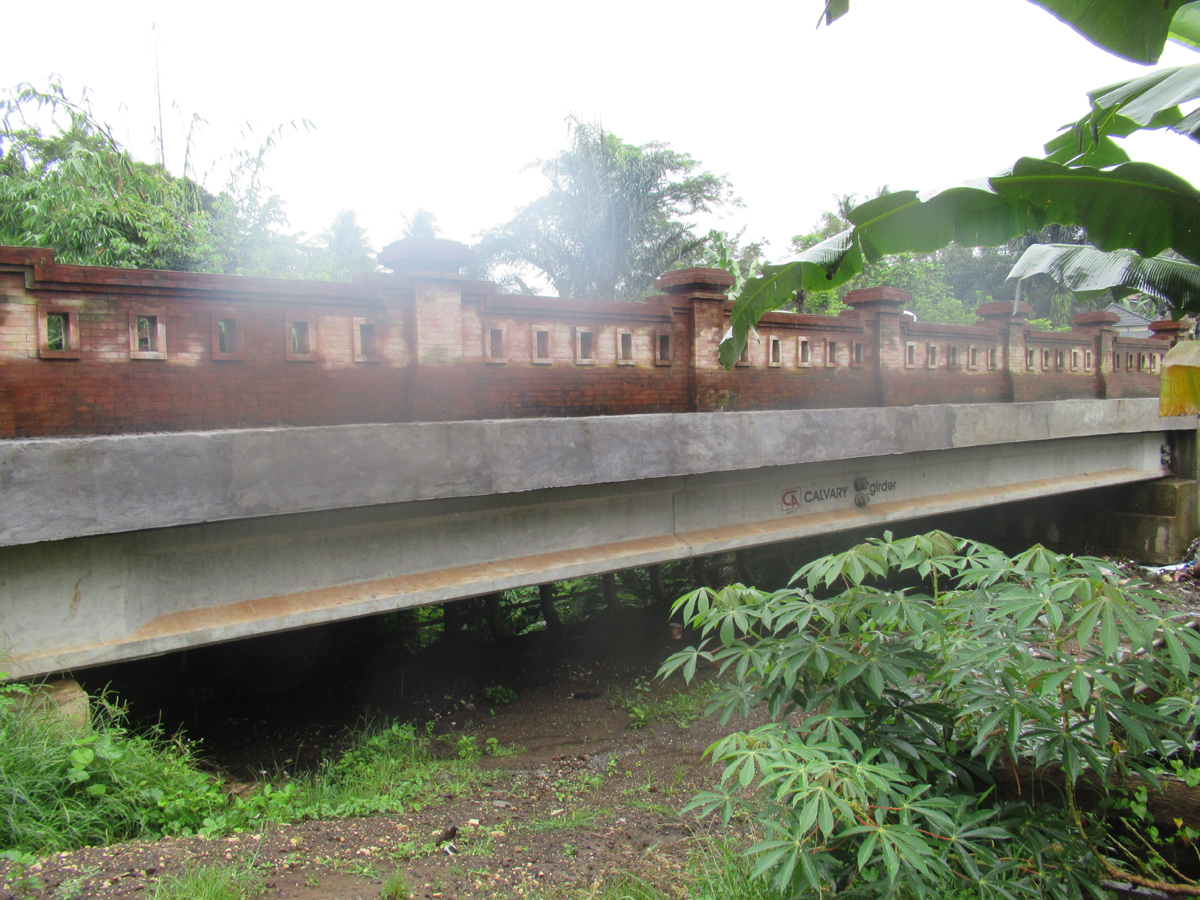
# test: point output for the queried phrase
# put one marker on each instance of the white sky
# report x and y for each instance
(441, 105)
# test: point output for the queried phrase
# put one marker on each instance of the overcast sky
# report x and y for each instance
(442, 105)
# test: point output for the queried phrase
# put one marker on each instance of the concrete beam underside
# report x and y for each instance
(87, 600)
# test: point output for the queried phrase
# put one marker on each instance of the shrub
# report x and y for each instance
(891, 708)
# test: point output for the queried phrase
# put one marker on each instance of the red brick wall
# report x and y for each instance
(432, 360)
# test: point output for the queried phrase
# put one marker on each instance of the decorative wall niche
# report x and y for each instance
(300, 338)
(585, 347)
(625, 347)
(228, 336)
(662, 348)
(58, 332)
(368, 340)
(147, 332)
(495, 343)
(541, 344)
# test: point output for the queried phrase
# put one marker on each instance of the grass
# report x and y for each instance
(576, 818)
(395, 887)
(646, 703)
(231, 882)
(64, 787)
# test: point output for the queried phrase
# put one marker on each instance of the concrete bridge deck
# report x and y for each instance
(129, 546)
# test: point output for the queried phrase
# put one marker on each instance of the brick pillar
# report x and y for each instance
(1009, 319)
(1170, 330)
(431, 266)
(1098, 325)
(882, 306)
(706, 289)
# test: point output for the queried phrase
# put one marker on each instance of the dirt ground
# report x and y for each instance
(584, 798)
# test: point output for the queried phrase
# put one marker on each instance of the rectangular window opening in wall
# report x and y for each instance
(1129, 364)
(1045, 360)
(495, 344)
(540, 345)
(952, 357)
(147, 333)
(910, 355)
(1030, 359)
(931, 356)
(774, 351)
(803, 352)
(1116, 361)
(58, 334)
(662, 349)
(856, 358)
(1074, 360)
(831, 353)
(228, 342)
(300, 339)
(368, 339)
(1061, 359)
(992, 357)
(625, 348)
(1153, 362)
(585, 353)
(972, 357)
(227, 336)
(1087, 360)
(744, 358)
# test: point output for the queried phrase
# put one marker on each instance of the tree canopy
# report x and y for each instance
(613, 219)
(73, 188)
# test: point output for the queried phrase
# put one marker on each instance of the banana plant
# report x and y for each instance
(1089, 273)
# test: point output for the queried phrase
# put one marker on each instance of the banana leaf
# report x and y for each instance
(1089, 272)
(1135, 206)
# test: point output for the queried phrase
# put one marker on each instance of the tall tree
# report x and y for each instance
(347, 245)
(612, 220)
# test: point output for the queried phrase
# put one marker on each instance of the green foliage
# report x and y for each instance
(395, 887)
(76, 190)
(612, 220)
(645, 703)
(230, 882)
(499, 694)
(890, 707)
(62, 787)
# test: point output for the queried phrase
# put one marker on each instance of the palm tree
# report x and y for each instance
(348, 244)
(610, 222)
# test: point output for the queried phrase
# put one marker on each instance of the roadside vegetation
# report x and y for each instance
(63, 787)
(946, 720)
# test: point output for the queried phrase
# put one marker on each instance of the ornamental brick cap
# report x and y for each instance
(1166, 329)
(426, 255)
(1003, 309)
(1099, 317)
(697, 279)
(876, 296)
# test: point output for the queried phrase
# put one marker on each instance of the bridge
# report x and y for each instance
(124, 545)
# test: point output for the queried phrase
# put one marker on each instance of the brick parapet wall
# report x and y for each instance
(428, 354)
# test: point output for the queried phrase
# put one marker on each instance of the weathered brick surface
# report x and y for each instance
(433, 356)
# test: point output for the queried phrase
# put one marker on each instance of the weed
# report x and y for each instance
(570, 851)
(63, 787)
(499, 694)
(577, 818)
(395, 887)
(232, 882)
(579, 783)
(644, 703)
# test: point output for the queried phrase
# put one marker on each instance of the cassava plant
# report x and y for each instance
(907, 681)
